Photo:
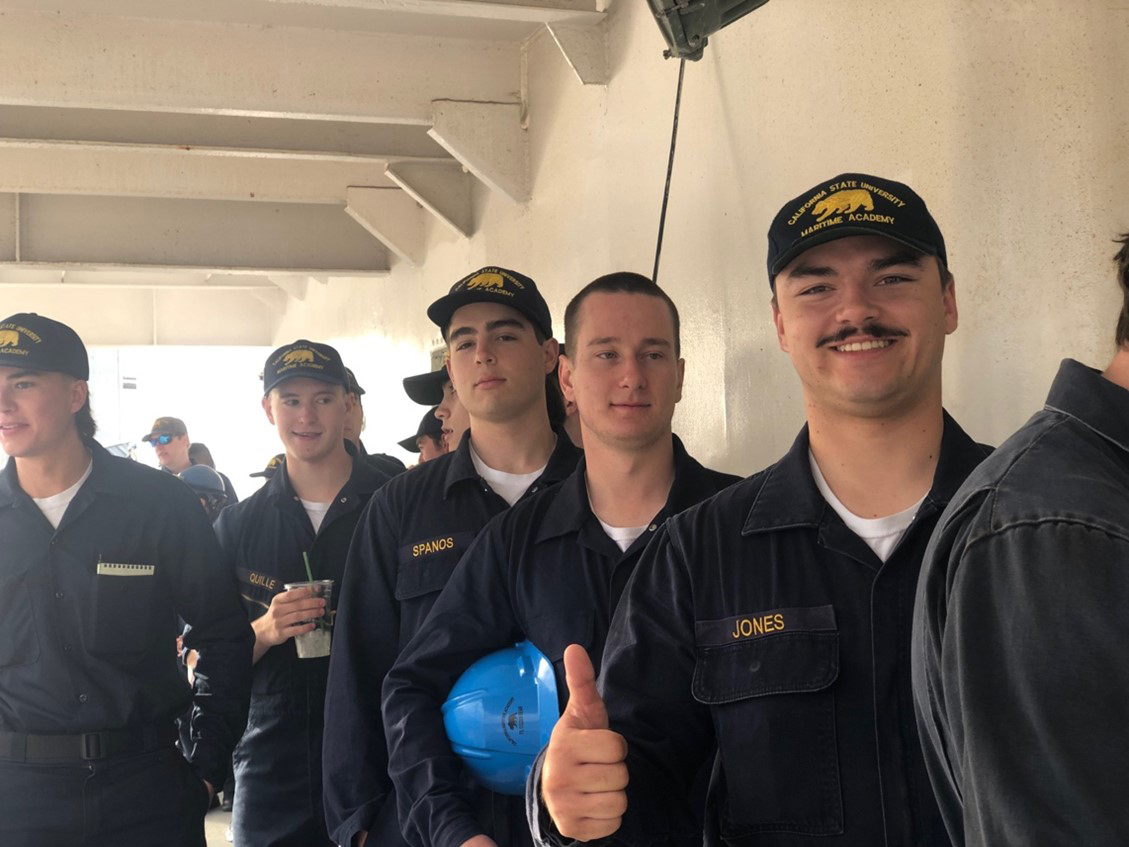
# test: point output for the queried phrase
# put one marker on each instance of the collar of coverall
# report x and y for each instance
(789, 498)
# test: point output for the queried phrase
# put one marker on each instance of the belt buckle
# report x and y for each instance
(91, 746)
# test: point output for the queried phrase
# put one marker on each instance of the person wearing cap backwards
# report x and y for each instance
(428, 440)
(99, 556)
(435, 389)
(355, 424)
(770, 625)
(295, 528)
(551, 569)
(499, 335)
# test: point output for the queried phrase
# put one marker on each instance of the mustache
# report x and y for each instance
(874, 329)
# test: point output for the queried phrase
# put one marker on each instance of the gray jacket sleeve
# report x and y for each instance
(1021, 683)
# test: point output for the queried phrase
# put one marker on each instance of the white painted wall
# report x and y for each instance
(1008, 116)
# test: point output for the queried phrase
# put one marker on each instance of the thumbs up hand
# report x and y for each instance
(585, 773)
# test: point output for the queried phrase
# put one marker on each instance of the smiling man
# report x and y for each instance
(551, 569)
(769, 627)
(299, 523)
(500, 340)
(98, 557)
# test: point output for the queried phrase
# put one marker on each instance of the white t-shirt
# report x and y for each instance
(880, 534)
(508, 486)
(624, 536)
(55, 506)
(316, 511)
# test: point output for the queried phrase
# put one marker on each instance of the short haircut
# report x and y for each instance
(1122, 260)
(199, 454)
(621, 282)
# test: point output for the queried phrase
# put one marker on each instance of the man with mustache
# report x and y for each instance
(768, 628)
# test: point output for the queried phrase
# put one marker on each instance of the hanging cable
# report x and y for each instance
(669, 170)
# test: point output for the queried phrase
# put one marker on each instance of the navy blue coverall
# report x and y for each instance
(90, 684)
(278, 762)
(759, 625)
(545, 570)
(407, 544)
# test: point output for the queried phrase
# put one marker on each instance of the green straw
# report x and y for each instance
(309, 572)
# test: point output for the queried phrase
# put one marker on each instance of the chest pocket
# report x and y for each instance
(773, 708)
(424, 568)
(20, 642)
(124, 601)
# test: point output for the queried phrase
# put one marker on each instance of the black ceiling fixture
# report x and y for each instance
(686, 24)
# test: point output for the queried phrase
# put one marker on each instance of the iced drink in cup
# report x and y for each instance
(315, 643)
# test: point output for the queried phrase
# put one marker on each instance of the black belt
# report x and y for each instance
(86, 746)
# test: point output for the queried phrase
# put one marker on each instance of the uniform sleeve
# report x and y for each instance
(356, 790)
(208, 601)
(1022, 684)
(645, 679)
(472, 617)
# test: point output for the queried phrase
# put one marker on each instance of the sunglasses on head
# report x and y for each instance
(162, 439)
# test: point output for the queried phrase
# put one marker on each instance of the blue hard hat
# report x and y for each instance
(202, 479)
(500, 714)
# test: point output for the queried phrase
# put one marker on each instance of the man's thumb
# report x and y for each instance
(585, 708)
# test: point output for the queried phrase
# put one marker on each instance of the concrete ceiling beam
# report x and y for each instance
(364, 15)
(175, 316)
(392, 217)
(585, 48)
(69, 167)
(530, 11)
(488, 140)
(294, 286)
(442, 188)
(62, 230)
(194, 67)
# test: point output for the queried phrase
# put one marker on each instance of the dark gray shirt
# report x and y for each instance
(1021, 627)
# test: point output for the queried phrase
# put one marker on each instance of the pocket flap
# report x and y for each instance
(787, 663)
(424, 577)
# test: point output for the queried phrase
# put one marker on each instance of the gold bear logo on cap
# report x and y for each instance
(488, 279)
(9, 338)
(298, 356)
(843, 203)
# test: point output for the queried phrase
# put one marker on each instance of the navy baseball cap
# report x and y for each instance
(430, 425)
(304, 358)
(852, 204)
(32, 342)
(427, 389)
(493, 285)
(351, 384)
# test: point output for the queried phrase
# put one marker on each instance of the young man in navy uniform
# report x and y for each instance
(551, 569)
(305, 513)
(768, 629)
(499, 335)
(99, 557)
